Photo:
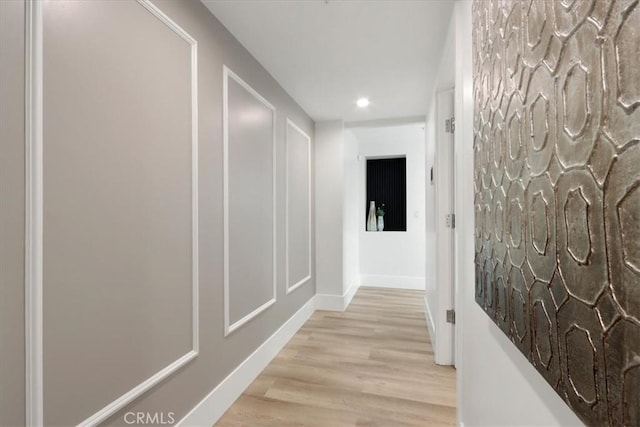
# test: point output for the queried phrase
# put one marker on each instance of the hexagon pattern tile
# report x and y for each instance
(557, 181)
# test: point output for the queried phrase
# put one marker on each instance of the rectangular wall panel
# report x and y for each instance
(119, 206)
(249, 175)
(298, 215)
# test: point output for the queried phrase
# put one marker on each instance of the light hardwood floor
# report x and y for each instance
(369, 366)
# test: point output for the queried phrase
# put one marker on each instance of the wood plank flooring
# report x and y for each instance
(369, 366)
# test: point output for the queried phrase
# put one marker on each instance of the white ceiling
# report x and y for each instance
(327, 54)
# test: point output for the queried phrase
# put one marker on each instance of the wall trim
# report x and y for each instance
(138, 390)
(394, 282)
(215, 404)
(336, 302)
(34, 223)
(351, 292)
(226, 73)
(291, 287)
(34, 363)
(430, 324)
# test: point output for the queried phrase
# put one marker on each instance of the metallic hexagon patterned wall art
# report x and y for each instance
(557, 184)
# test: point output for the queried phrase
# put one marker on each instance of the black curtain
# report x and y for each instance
(387, 183)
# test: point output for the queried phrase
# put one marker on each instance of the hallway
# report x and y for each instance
(285, 212)
(370, 365)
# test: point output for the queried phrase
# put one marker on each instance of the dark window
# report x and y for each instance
(387, 184)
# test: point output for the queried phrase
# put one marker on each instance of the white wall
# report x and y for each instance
(497, 385)
(329, 181)
(351, 210)
(390, 258)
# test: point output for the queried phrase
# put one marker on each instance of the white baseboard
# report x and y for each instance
(395, 282)
(430, 325)
(336, 302)
(351, 292)
(215, 404)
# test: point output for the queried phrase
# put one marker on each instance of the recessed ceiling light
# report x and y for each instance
(362, 102)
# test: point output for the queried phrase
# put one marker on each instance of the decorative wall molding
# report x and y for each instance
(137, 391)
(226, 74)
(34, 363)
(215, 404)
(35, 232)
(394, 282)
(291, 287)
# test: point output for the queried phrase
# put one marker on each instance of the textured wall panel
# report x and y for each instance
(557, 182)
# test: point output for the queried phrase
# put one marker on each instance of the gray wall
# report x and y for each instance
(118, 218)
(329, 207)
(11, 213)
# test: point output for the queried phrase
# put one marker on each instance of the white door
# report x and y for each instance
(445, 222)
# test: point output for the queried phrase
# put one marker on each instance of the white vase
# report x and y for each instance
(380, 223)
(371, 219)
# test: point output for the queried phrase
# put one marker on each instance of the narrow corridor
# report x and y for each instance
(370, 365)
